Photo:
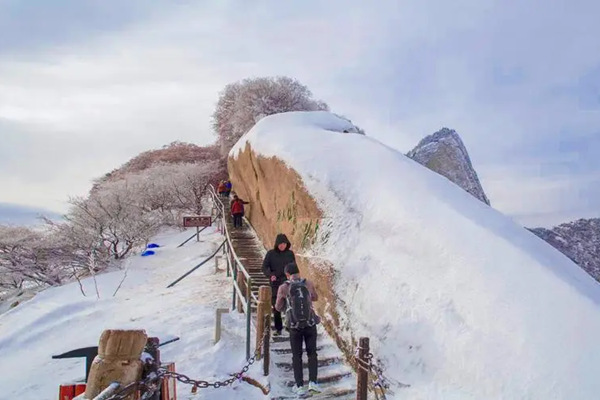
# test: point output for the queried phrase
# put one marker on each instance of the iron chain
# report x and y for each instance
(377, 377)
(153, 381)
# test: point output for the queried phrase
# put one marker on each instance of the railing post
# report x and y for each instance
(362, 376)
(118, 360)
(226, 255)
(264, 300)
(218, 314)
(217, 258)
(234, 272)
(248, 314)
(267, 343)
(240, 283)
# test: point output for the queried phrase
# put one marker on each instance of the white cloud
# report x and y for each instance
(399, 69)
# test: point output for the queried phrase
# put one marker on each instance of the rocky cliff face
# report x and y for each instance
(579, 240)
(445, 153)
(279, 203)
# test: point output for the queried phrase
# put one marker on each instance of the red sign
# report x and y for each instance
(201, 221)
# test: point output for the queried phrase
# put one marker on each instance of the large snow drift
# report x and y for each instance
(458, 300)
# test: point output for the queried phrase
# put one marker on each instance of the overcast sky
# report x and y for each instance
(86, 85)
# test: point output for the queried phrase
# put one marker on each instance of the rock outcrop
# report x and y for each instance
(579, 240)
(280, 203)
(445, 153)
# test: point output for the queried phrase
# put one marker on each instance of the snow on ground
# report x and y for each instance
(459, 301)
(61, 319)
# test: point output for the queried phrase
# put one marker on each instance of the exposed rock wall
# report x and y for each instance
(279, 203)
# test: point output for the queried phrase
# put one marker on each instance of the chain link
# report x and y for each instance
(149, 385)
(375, 372)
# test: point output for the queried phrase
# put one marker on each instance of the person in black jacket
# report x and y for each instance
(274, 269)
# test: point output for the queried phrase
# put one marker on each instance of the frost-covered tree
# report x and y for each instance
(120, 215)
(242, 104)
(112, 220)
(35, 258)
(173, 189)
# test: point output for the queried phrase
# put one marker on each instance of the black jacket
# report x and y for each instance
(276, 260)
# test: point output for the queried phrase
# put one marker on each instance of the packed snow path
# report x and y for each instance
(335, 377)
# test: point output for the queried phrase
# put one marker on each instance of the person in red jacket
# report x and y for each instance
(221, 189)
(237, 211)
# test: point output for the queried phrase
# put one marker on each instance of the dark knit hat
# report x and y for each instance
(292, 269)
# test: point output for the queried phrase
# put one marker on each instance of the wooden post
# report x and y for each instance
(362, 376)
(118, 360)
(241, 283)
(219, 313)
(262, 309)
(217, 258)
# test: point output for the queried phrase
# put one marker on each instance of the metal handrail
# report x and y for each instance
(235, 257)
(249, 297)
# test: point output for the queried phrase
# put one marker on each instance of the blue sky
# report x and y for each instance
(86, 85)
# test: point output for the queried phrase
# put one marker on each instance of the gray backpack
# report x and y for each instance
(299, 313)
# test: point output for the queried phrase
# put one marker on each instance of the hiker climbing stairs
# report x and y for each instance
(336, 379)
(250, 251)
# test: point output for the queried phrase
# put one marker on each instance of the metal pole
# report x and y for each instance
(197, 234)
(152, 348)
(108, 392)
(266, 345)
(234, 271)
(228, 262)
(248, 315)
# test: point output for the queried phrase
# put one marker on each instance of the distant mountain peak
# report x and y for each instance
(579, 240)
(445, 153)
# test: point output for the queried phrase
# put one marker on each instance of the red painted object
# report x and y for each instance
(69, 390)
(169, 385)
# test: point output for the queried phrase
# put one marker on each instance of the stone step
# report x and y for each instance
(323, 378)
(333, 393)
(288, 350)
(321, 362)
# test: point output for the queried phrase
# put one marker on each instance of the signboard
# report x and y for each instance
(200, 221)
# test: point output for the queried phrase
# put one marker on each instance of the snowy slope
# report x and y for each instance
(459, 301)
(62, 319)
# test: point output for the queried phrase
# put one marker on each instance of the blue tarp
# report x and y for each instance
(153, 246)
(148, 253)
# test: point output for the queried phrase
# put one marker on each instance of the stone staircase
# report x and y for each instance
(335, 377)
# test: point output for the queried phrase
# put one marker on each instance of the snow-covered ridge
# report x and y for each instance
(459, 301)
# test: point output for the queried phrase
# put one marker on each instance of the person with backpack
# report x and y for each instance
(296, 296)
(237, 211)
(274, 268)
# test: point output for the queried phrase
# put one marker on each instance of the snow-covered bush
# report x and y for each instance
(242, 104)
